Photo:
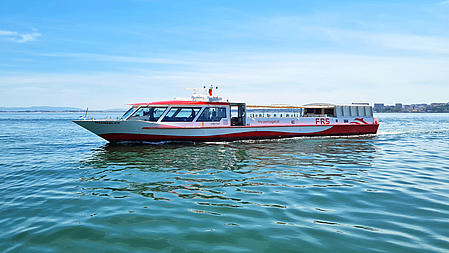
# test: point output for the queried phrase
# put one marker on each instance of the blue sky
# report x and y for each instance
(107, 53)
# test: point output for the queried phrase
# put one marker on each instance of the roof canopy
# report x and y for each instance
(319, 105)
(189, 102)
(180, 102)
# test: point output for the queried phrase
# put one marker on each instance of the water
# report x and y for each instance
(63, 189)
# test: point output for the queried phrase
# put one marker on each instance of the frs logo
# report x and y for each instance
(322, 121)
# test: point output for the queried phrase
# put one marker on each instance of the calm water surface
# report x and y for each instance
(62, 189)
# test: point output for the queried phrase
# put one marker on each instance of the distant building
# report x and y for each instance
(399, 107)
(419, 106)
(378, 107)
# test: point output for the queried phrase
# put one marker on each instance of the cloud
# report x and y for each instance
(19, 37)
(253, 78)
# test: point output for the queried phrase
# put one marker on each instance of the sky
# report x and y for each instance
(107, 53)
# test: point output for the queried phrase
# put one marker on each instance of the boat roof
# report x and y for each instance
(180, 102)
(319, 105)
(191, 102)
(315, 105)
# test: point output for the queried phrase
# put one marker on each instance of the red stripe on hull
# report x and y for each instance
(334, 130)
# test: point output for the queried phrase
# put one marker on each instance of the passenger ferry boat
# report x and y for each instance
(209, 118)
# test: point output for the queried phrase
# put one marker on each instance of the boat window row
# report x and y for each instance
(274, 115)
(177, 114)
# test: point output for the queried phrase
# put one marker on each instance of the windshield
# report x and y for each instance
(129, 112)
(148, 113)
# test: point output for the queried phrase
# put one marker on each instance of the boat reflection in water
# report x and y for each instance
(233, 174)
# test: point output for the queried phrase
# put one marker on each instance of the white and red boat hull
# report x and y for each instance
(140, 131)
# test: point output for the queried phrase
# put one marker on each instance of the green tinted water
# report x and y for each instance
(64, 189)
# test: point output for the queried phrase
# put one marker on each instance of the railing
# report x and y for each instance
(318, 115)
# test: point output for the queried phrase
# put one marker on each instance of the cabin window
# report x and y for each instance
(319, 112)
(212, 114)
(181, 114)
(329, 112)
(154, 113)
(149, 113)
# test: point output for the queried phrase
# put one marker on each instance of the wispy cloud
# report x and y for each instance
(121, 58)
(396, 41)
(19, 37)
(310, 32)
(298, 78)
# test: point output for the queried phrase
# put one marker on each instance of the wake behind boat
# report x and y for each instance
(208, 118)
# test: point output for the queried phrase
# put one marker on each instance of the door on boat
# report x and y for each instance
(238, 114)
